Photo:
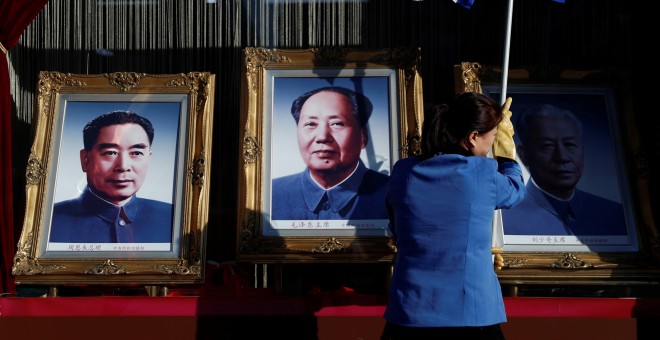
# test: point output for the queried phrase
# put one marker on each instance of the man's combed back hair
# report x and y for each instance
(361, 105)
(93, 128)
(542, 111)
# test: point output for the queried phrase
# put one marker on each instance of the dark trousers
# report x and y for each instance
(396, 332)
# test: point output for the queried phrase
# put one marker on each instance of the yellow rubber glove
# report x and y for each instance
(498, 260)
(504, 145)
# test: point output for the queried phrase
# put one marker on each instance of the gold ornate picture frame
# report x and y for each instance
(51, 249)
(272, 80)
(613, 169)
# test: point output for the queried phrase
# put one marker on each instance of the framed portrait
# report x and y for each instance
(586, 214)
(322, 130)
(585, 158)
(117, 179)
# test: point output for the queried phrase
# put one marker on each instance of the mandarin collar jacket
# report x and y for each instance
(88, 218)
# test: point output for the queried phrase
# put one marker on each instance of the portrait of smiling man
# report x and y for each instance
(115, 159)
(331, 125)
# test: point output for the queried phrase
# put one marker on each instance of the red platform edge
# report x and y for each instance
(218, 306)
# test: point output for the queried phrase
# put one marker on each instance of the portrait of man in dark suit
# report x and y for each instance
(115, 159)
(552, 149)
(331, 125)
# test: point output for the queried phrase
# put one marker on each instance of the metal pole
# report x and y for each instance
(507, 44)
(498, 231)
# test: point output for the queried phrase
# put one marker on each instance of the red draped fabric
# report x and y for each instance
(15, 16)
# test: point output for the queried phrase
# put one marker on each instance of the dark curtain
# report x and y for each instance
(15, 16)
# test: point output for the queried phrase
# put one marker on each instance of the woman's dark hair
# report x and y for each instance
(446, 125)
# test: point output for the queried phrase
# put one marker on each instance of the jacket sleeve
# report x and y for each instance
(510, 184)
